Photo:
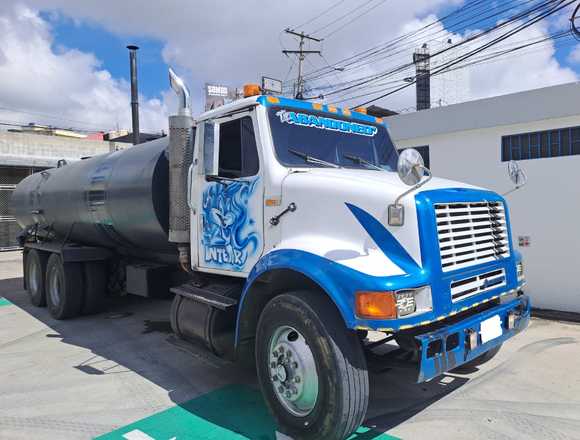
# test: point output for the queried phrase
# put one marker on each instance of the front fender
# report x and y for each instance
(338, 281)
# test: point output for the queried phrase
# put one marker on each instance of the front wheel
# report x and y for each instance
(311, 368)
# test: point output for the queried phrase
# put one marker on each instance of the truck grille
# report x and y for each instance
(471, 233)
(477, 284)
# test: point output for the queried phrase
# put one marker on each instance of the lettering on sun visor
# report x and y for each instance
(323, 123)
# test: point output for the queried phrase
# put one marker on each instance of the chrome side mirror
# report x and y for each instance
(410, 166)
(411, 170)
(517, 176)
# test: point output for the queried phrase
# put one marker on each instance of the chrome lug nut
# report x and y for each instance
(297, 379)
(280, 389)
(295, 365)
(275, 378)
(288, 394)
(273, 365)
(275, 353)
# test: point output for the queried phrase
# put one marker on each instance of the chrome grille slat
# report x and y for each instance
(471, 233)
(476, 284)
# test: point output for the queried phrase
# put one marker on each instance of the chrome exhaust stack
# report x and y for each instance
(181, 134)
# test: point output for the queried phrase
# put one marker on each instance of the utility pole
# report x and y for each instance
(301, 57)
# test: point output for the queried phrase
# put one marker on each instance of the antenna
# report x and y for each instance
(301, 57)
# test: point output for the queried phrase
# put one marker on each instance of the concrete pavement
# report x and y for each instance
(86, 377)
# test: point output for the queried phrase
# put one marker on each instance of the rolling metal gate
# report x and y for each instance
(9, 229)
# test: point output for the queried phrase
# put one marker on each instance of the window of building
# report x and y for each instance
(238, 153)
(424, 152)
(541, 144)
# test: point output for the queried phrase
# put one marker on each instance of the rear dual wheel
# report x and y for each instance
(68, 289)
(64, 288)
(34, 270)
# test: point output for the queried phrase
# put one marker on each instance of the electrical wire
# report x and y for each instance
(560, 5)
(506, 23)
(334, 5)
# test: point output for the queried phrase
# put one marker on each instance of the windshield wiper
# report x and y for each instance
(310, 159)
(361, 161)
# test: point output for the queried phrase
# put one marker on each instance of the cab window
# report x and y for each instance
(238, 153)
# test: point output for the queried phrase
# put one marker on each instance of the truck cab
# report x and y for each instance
(295, 195)
(303, 235)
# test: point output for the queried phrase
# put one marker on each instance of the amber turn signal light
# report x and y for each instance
(251, 90)
(376, 305)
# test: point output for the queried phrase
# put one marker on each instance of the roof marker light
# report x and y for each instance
(317, 106)
(332, 109)
(362, 110)
(346, 111)
(273, 99)
(251, 90)
(379, 120)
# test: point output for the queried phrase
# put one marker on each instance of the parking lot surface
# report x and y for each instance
(122, 375)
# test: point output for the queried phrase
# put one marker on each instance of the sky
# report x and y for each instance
(64, 62)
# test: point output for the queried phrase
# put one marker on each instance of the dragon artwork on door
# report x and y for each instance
(230, 233)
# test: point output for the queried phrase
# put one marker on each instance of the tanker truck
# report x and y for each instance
(288, 233)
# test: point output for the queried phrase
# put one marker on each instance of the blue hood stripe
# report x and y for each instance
(385, 240)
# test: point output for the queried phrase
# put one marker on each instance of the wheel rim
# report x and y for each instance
(293, 371)
(54, 286)
(33, 272)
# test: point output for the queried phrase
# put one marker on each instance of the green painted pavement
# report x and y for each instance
(4, 302)
(233, 412)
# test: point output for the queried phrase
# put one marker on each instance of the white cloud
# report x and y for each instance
(574, 56)
(236, 42)
(60, 86)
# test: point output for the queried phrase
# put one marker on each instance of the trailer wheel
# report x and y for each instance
(34, 273)
(95, 287)
(311, 368)
(64, 288)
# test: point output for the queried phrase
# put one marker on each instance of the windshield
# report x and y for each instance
(335, 139)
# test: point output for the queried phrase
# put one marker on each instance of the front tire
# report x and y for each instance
(34, 273)
(311, 368)
(64, 288)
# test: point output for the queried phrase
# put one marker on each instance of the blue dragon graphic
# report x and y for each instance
(229, 232)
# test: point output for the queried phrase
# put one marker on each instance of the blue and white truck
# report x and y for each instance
(287, 232)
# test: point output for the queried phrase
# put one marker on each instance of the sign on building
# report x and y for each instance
(218, 95)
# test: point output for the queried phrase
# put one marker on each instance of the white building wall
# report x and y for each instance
(547, 209)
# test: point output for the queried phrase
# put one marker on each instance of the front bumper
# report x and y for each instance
(448, 347)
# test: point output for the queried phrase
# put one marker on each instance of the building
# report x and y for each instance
(473, 141)
(33, 149)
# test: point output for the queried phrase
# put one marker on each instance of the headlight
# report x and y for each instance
(520, 270)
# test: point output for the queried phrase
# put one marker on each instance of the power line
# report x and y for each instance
(355, 18)
(374, 77)
(334, 5)
(561, 4)
(340, 18)
(413, 38)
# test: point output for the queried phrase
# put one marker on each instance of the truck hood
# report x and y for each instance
(325, 225)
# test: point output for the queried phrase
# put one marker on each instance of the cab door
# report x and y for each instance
(231, 192)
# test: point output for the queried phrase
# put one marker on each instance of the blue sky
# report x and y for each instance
(111, 50)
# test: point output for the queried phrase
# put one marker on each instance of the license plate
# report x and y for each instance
(490, 329)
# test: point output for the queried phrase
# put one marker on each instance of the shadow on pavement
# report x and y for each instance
(133, 335)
